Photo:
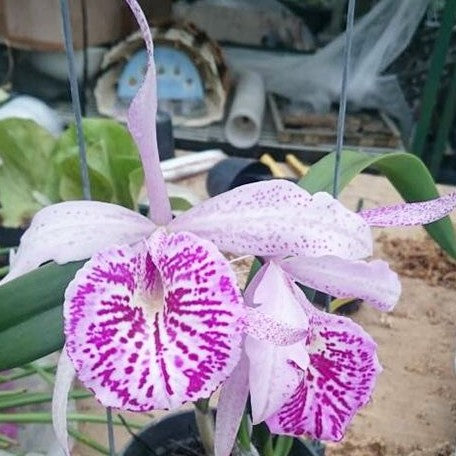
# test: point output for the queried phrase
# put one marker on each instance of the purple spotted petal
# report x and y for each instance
(230, 407)
(154, 325)
(141, 123)
(278, 218)
(273, 374)
(74, 231)
(409, 214)
(374, 282)
(263, 327)
(340, 379)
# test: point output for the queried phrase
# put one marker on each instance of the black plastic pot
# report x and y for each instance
(178, 434)
(233, 172)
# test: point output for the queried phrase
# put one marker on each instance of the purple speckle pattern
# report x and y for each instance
(338, 382)
(410, 214)
(75, 230)
(154, 325)
(261, 326)
(278, 218)
(373, 282)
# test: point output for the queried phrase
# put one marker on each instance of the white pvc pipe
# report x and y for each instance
(243, 126)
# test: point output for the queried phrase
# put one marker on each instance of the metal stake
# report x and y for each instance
(72, 76)
(343, 94)
(343, 105)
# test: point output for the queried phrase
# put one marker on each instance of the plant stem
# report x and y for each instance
(15, 392)
(112, 449)
(26, 372)
(86, 440)
(6, 439)
(46, 376)
(243, 435)
(205, 424)
(268, 449)
(44, 417)
(37, 398)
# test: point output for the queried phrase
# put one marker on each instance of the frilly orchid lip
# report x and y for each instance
(154, 325)
(339, 381)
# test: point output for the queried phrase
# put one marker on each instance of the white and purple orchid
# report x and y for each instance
(155, 318)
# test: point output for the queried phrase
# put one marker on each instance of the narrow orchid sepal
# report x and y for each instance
(275, 219)
(230, 407)
(339, 380)
(75, 230)
(154, 325)
(142, 125)
(63, 381)
(410, 214)
(373, 282)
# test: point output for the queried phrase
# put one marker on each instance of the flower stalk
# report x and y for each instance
(204, 418)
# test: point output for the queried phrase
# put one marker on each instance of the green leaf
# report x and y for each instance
(179, 204)
(406, 172)
(111, 153)
(101, 185)
(31, 308)
(283, 445)
(26, 171)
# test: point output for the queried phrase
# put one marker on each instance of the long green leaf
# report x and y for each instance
(406, 172)
(436, 67)
(31, 314)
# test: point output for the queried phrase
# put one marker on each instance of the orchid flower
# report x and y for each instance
(155, 318)
(314, 386)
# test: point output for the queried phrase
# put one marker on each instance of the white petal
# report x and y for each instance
(63, 380)
(75, 230)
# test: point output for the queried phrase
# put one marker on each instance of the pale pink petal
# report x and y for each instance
(263, 327)
(272, 373)
(230, 407)
(373, 282)
(278, 218)
(63, 381)
(154, 325)
(141, 123)
(409, 214)
(338, 382)
(75, 230)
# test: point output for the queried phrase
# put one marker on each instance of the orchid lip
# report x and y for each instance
(154, 325)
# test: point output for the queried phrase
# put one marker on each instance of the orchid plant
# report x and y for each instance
(155, 318)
